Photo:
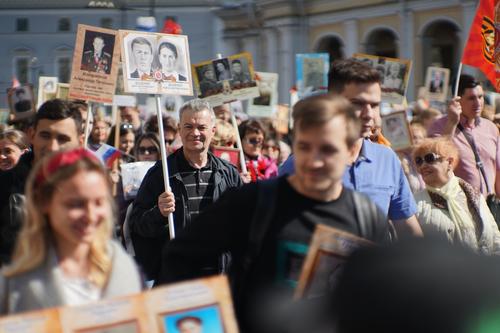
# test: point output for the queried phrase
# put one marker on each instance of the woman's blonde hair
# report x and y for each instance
(36, 235)
(16, 137)
(441, 146)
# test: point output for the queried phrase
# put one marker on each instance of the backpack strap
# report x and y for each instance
(366, 215)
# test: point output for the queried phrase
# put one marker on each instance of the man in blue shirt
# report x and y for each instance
(374, 169)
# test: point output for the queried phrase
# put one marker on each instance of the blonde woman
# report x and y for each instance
(64, 254)
(449, 205)
(13, 144)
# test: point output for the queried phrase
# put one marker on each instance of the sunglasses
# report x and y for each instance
(254, 141)
(126, 126)
(148, 150)
(169, 141)
(430, 158)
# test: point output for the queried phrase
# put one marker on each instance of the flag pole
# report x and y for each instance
(457, 81)
(164, 164)
(87, 125)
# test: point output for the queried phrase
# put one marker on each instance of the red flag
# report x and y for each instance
(171, 27)
(480, 48)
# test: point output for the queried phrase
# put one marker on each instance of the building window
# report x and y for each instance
(64, 24)
(63, 69)
(22, 24)
(333, 46)
(382, 42)
(22, 69)
(107, 22)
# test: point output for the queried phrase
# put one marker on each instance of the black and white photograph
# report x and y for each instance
(394, 73)
(437, 83)
(156, 63)
(312, 73)
(396, 129)
(21, 101)
(222, 69)
(97, 52)
(265, 104)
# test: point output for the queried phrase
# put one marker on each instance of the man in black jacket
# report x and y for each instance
(58, 125)
(268, 238)
(197, 178)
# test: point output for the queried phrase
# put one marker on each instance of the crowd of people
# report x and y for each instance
(64, 234)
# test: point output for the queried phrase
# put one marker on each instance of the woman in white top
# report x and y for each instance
(449, 205)
(64, 253)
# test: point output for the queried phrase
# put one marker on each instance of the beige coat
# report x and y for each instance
(434, 219)
(41, 288)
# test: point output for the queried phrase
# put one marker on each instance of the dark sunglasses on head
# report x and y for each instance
(254, 141)
(430, 158)
(149, 150)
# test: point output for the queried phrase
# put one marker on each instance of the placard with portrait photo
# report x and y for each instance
(95, 64)
(231, 155)
(395, 74)
(437, 83)
(120, 314)
(396, 129)
(218, 86)
(21, 102)
(328, 251)
(62, 91)
(42, 321)
(47, 88)
(156, 63)
(312, 73)
(265, 104)
(203, 304)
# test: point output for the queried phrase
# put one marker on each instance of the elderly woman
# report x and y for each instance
(449, 205)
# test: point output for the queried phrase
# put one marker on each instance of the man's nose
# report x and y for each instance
(54, 145)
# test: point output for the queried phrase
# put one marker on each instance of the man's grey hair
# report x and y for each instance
(197, 105)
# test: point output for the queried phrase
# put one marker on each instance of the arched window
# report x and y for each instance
(382, 42)
(63, 60)
(332, 45)
(21, 64)
(440, 45)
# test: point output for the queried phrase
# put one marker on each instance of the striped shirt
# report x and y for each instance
(199, 185)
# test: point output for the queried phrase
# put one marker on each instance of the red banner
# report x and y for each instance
(480, 48)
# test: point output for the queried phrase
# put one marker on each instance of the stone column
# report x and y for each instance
(407, 49)
(351, 37)
(271, 50)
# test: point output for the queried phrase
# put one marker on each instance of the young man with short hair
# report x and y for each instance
(58, 125)
(374, 169)
(260, 220)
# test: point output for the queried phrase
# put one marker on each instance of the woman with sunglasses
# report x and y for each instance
(65, 254)
(147, 147)
(252, 140)
(449, 205)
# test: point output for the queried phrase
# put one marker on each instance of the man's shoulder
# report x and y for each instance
(222, 164)
(488, 125)
(379, 152)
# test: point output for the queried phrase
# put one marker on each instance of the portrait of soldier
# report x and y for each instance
(95, 58)
(142, 53)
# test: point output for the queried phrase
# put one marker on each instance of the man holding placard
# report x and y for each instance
(197, 179)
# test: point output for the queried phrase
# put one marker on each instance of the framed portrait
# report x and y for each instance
(43, 321)
(62, 91)
(396, 129)
(132, 175)
(232, 155)
(156, 63)
(4, 116)
(21, 101)
(115, 315)
(47, 88)
(395, 73)
(328, 251)
(312, 73)
(437, 83)
(265, 104)
(203, 319)
(213, 83)
(95, 64)
(125, 327)
(203, 304)
(282, 120)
